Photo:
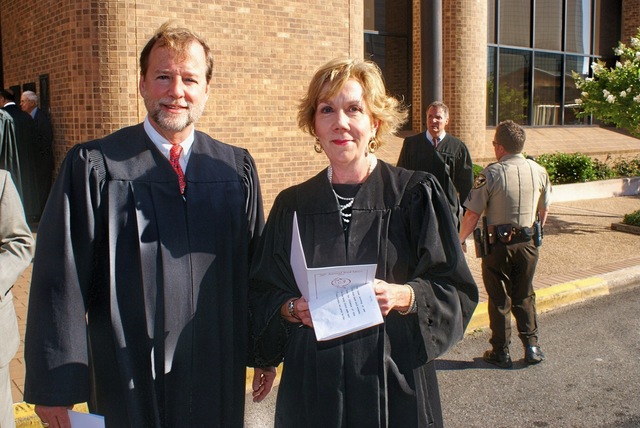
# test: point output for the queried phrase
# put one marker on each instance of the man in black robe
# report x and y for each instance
(139, 290)
(44, 131)
(441, 154)
(26, 143)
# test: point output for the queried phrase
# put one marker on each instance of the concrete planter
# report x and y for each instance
(596, 189)
(622, 227)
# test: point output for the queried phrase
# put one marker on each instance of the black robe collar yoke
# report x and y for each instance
(325, 244)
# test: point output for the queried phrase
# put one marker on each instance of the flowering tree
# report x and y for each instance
(613, 94)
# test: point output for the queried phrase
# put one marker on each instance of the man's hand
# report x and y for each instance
(262, 382)
(54, 417)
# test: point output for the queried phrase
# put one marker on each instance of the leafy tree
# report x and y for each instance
(613, 94)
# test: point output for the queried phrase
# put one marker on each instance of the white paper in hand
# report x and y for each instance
(341, 298)
(85, 420)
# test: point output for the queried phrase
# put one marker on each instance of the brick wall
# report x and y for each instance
(630, 19)
(265, 52)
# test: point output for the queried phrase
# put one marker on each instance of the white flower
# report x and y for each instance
(636, 98)
(623, 94)
(611, 99)
(579, 101)
(618, 64)
(618, 51)
(635, 43)
(585, 94)
(597, 68)
(606, 93)
(637, 55)
(588, 79)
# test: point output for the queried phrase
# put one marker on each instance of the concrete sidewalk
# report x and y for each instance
(581, 257)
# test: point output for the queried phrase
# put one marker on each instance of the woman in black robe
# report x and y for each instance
(360, 211)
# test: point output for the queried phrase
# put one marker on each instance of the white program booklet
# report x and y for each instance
(85, 420)
(341, 298)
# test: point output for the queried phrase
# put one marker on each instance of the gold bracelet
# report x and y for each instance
(412, 302)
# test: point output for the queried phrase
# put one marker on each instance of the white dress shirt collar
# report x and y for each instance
(165, 146)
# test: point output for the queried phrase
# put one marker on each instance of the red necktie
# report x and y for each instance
(174, 159)
(435, 142)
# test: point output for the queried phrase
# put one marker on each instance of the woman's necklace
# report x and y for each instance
(372, 164)
(345, 204)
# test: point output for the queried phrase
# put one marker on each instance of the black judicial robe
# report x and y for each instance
(9, 150)
(451, 164)
(27, 148)
(160, 281)
(382, 376)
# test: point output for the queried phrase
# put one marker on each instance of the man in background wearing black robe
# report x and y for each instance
(26, 143)
(447, 158)
(139, 291)
(44, 131)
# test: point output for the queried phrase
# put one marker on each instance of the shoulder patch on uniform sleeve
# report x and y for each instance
(480, 181)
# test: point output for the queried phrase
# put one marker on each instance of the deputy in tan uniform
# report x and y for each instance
(514, 193)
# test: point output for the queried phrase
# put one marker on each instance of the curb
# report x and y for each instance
(564, 294)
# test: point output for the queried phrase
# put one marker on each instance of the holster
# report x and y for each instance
(538, 234)
(477, 240)
(504, 232)
(486, 238)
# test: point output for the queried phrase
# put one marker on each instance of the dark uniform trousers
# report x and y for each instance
(508, 278)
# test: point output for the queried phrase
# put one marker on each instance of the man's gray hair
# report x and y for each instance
(31, 96)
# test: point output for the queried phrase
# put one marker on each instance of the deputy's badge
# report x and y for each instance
(480, 181)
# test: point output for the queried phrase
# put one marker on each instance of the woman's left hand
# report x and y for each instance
(392, 296)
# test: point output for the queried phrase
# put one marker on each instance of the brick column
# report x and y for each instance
(465, 70)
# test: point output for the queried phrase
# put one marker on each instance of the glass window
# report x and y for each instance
(515, 23)
(607, 29)
(579, 64)
(547, 89)
(387, 42)
(513, 87)
(491, 86)
(568, 36)
(548, 25)
(579, 26)
(491, 22)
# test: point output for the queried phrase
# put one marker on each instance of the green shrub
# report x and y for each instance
(632, 219)
(477, 169)
(627, 167)
(564, 168)
(602, 170)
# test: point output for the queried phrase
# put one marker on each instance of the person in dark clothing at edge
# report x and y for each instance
(360, 210)
(441, 154)
(138, 301)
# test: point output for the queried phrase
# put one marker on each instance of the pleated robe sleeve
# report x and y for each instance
(446, 293)
(56, 337)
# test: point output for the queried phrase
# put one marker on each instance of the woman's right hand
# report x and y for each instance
(53, 417)
(300, 311)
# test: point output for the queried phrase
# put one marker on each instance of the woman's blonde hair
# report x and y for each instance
(329, 79)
